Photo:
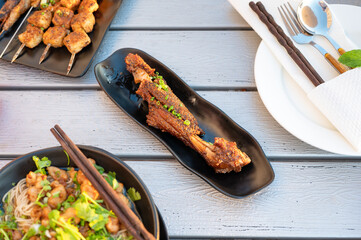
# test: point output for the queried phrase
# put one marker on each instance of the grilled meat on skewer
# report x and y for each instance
(41, 19)
(6, 9)
(53, 37)
(30, 38)
(70, 4)
(83, 21)
(168, 113)
(62, 17)
(15, 14)
(88, 6)
(75, 42)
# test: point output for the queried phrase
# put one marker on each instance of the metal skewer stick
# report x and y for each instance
(71, 62)
(18, 52)
(12, 38)
(43, 55)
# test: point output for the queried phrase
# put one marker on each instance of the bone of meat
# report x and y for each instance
(168, 113)
(6, 9)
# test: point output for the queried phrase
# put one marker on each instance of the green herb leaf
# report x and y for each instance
(351, 58)
(6, 237)
(67, 156)
(99, 168)
(133, 194)
(41, 164)
(111, 179)
(53, 216)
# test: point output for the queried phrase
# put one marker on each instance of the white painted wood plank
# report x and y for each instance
(189, 14)
(307, 200)
(177, 14)
(91, 118)
(202, 58)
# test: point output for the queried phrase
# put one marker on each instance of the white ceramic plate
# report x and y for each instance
(288, 103)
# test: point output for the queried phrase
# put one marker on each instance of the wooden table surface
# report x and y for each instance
(315, 194)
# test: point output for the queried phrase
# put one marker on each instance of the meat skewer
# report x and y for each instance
(39, 20)
(30, 38)
(84, 20)
(15, 14)
(55, 36)
(75, 42)
(6, 9)
(168, 113)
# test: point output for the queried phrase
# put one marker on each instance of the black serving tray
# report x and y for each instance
(118, 83)
(58, 58)
(21, 166)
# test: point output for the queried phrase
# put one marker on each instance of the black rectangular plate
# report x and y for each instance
(58, 59)
(118, 83)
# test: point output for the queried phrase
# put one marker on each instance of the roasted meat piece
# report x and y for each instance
(31, 37)
(168, 113)
(15, 13)
(88, 6)
(83, 21)
(62, 17)
(70, 4)
(76, 41)
(6, 9)
(55, 36)
(41, 19)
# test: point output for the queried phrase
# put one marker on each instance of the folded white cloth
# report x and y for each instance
(340, 101)
(339, 98)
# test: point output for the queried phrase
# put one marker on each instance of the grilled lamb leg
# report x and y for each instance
(168, 113)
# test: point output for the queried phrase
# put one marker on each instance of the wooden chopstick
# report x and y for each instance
(296, 55)
(110, 197)
(289, 41)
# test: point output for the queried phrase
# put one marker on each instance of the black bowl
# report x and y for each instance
(118, 83)
(20, 167)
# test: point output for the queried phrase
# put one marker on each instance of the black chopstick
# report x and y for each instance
(121, 210)
(287, 43)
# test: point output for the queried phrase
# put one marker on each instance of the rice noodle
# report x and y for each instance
(17, 198)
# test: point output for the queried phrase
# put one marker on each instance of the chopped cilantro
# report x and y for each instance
(99, 168)
(133, 194)
(111, 179)
(41, 164)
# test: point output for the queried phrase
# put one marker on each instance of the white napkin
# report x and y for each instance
(339, 98)
(316, 59)
(340, 101)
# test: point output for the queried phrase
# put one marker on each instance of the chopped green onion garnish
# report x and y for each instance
(170, 108)
(166, 97)
(165, 106)
(174, 112)
(187, 122)
(152, 98)
(158, 103)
